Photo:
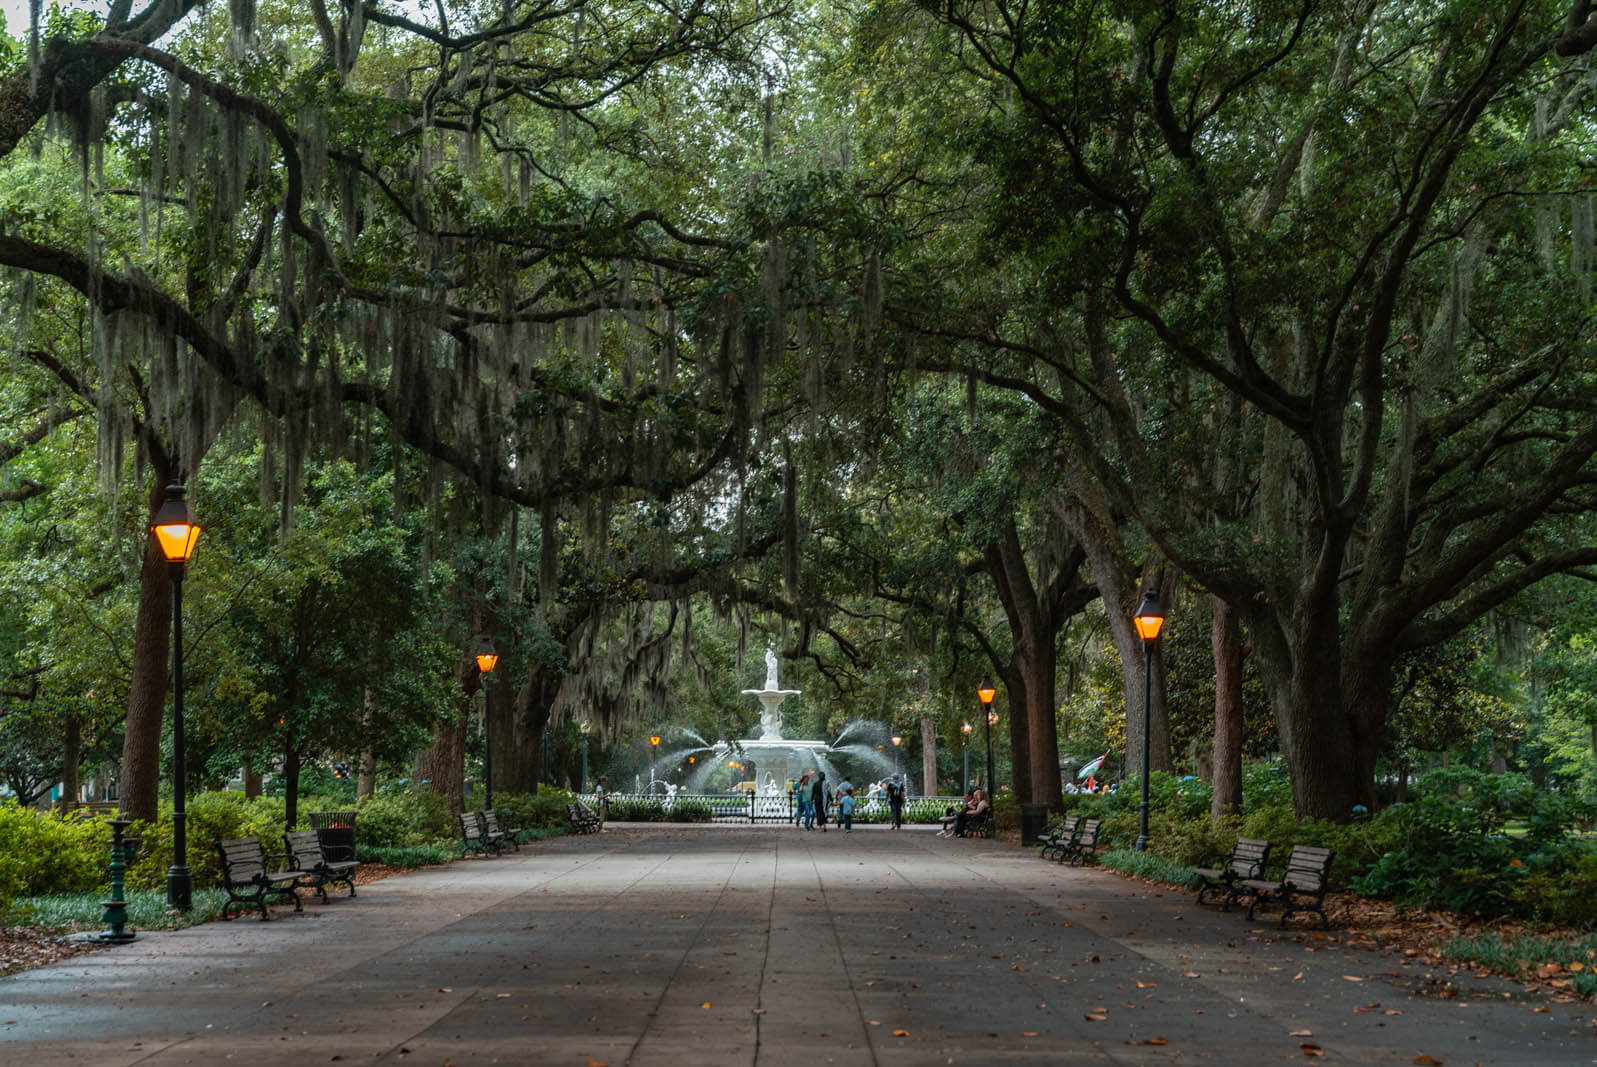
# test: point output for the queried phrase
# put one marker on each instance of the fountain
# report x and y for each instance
(777, 759)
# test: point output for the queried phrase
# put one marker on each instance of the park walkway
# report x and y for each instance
(765, 946)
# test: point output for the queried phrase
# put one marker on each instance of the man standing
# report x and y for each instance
(601, 798)
(821, 799)
(895, 802)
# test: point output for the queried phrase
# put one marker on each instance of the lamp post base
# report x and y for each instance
(179, 888)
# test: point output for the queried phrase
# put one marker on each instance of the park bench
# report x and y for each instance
(475, 837)
(511, 834)
(1084, 845)
(1303, 879)
(1061, 836)
(583, 820)
(249, 879)
(1247, 860)
(980, 826)
(307, 853)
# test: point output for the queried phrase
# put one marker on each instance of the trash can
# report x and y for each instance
(335, 832)
(1033, 820)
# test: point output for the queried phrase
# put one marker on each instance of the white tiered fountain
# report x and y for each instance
(777, 758)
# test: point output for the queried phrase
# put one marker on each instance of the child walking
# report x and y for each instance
(847, 807)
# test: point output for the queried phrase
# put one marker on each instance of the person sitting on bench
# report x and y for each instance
(971, 815)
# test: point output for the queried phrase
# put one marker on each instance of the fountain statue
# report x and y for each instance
(770, 699)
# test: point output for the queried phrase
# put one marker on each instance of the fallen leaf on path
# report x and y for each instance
(1427, 1059)
(1302, 1033)
(1312, 1050)
(1351, 978)
(1157, 1041)
(706, 1004)
(900, 1033)
(1298, 977)
(1147, 985)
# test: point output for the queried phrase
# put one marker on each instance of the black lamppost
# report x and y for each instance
(583, 727)
(965, 746)
(175, 531)
(1149, 620)
(487, 660)
(987, 692)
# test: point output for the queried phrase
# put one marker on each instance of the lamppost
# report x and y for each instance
(583, 727)
(986, 691)
(654, 754)
(1149, 620)
(175, 531)
(965, 748)
(487, 660)
(898, 739)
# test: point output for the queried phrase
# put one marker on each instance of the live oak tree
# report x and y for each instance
(1297, 282)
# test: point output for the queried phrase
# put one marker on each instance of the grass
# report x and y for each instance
(1526, 954)
(146, 909)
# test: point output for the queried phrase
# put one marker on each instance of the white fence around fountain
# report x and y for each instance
(757, 807)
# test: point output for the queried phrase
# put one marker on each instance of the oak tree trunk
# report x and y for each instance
(152, 641)
(1225, 640)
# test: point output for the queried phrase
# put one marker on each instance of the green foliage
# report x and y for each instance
(543, 810)
(1524, 956)
(211, 816)
(653, 809)
(1149, 865)
(146, 910)
(406, 856)
(404, 819)
(43, 852)
(1451, 848)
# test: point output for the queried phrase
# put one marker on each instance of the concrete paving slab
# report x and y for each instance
(765, 946)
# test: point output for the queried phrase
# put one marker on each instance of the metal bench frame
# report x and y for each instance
(1304, 878)
(1248, 859)
(307, 853)
(248, 880)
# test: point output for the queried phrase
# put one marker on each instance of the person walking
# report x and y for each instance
(601, 798)
(801, 796)
(895, 802)
(820, 799)
(846, 807)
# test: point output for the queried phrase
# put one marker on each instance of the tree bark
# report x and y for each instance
(152, 641)
(71, 757)
(1226, 643)
(928, 755)
(252, 780)
(524, 751)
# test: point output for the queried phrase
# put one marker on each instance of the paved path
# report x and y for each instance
(710, 946)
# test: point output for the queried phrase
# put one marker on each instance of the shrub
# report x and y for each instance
(210, 816)
(43, 852)
(545, 809)
(404, 819)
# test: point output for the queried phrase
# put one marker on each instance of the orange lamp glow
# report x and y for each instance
(1150, 617)
(174, 526)
(487, 658)
(986, 690)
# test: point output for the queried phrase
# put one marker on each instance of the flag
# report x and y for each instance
(1092, 768)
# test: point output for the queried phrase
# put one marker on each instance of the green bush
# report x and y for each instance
(403, 820)
(543, 810)
(210, 816)
(1450, 848)
(43, 852)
